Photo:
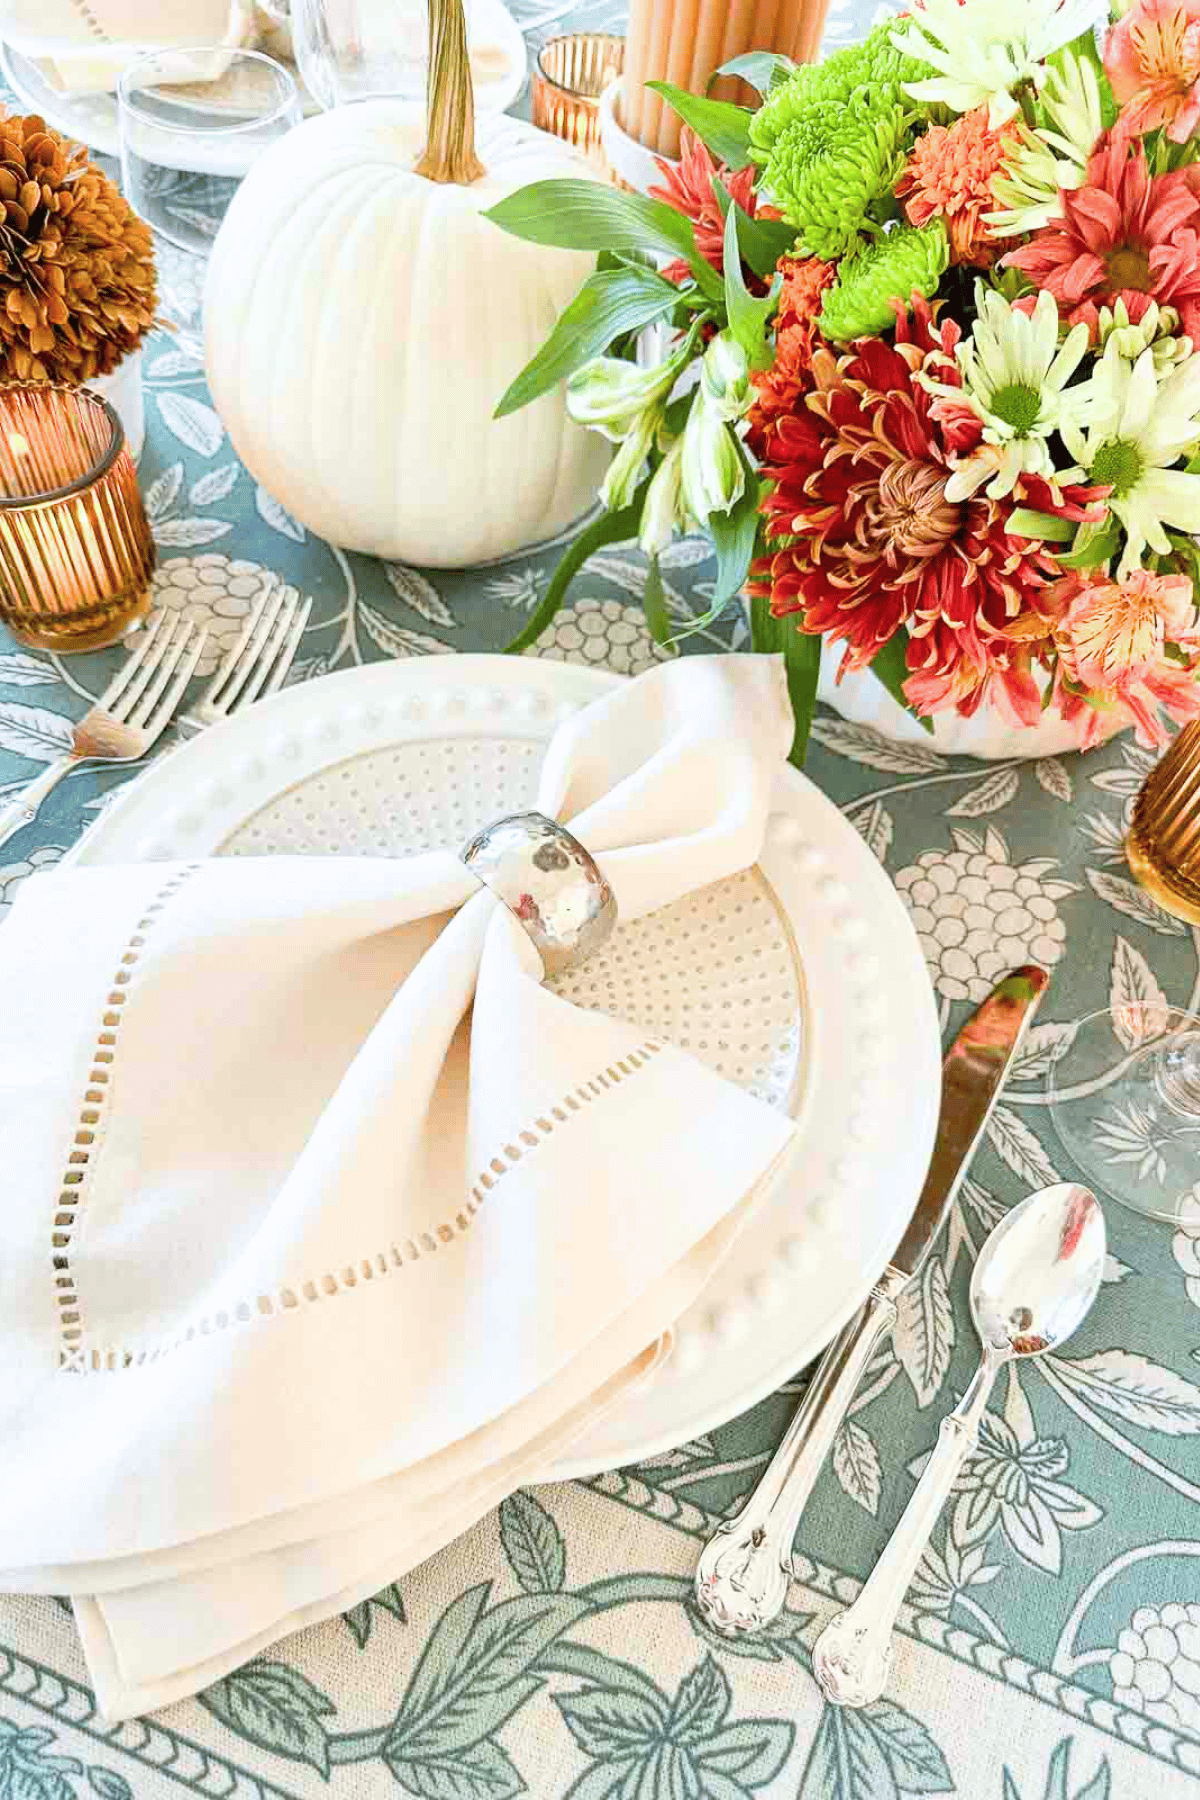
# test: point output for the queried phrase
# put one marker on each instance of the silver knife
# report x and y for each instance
(743, 1574)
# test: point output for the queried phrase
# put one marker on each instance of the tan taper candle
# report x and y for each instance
(684, 41)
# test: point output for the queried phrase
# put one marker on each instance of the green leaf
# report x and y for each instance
(610, 1724)
(725, 128)
(762, 241)
(1094, 544)
(801, 653)
(481, 1771)
(533, 1544)
(890, 665)
(277, 1708)
(359, 1619)
(914, 1759)
(845, 1761)
(608, 528)
(701, 1705)
(108, 1784)
(759, 69)
(750, 1753)
(589, 215)
(1024, 522)
(609, 303)
(468, 1682)
(747, 316)
(734, 535)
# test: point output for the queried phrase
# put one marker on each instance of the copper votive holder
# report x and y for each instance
(76, 555)
(1163, 846)
(571, 74)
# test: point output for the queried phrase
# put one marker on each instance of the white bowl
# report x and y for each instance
(629, 160)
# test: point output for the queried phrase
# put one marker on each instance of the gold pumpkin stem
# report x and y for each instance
(449, 153)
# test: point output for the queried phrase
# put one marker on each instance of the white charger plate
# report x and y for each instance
(802, 979)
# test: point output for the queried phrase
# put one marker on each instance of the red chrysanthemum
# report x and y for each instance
(796, 336)
(689, 190)
(864, 541)
(1124, 235)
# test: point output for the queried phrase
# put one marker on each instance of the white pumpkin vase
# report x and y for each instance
(862, 698)
(362, 319)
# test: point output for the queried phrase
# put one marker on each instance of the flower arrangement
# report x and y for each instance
(932, 382)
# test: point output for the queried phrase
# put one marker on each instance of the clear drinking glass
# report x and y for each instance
(192, 123)
(349, 50)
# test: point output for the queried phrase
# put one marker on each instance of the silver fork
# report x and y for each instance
(257, 663)
(129, 716)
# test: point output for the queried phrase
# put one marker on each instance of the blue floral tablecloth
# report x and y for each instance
(1051, 1646)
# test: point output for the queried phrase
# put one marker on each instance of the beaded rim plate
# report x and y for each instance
(801, 978)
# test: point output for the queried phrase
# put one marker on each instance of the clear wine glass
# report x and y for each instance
(1125, 1095)
(349, 50)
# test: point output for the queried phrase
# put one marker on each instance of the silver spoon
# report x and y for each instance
(1035, 1280)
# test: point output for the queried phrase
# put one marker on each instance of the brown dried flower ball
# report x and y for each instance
(77, 289)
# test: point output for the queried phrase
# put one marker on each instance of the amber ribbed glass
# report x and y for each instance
(76, 555)
(571, 74)
(1163, 846)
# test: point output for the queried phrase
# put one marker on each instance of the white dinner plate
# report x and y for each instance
(497, 44)
(802, 979)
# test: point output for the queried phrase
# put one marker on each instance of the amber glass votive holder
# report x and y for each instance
(572, 72)
(76, 555)
(1163, 846)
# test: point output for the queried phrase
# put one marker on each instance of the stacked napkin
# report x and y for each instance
(325, 1222)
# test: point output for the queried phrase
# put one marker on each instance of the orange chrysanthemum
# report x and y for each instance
(949, 177)
(796, 336)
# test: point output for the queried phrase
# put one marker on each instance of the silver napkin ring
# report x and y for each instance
(549, 882)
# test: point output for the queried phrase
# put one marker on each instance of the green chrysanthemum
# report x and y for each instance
(873, 70)
(894, 267)
(830, 167)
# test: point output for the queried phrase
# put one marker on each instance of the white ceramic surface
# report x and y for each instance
(802, 979)
(863, 699)
(123, 391)
(635, 165)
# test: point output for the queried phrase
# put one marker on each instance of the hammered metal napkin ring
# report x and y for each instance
(550, 884)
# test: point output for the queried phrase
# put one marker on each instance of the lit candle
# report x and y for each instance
(76, 554)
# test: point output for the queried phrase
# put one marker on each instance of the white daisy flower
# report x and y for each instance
(1054, 156)
(1015, 378)
(984, 51)
(1142, 425)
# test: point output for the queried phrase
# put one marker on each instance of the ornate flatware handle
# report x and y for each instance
(744, 1570)
(852, 1658)
(23, 810)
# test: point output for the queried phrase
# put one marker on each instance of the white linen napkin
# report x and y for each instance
(325, 1223)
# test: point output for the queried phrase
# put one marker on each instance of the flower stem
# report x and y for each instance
(449, 154)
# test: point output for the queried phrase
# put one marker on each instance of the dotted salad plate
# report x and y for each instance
(802, 978)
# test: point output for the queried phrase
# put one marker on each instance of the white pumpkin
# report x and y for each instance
(362, 321)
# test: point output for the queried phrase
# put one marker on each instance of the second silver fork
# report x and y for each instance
(257, 663)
